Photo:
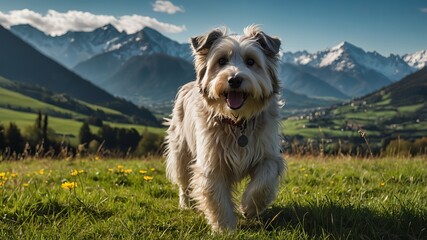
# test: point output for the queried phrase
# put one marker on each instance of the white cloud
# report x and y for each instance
(56, 23)
(166, 7)
(424, 10)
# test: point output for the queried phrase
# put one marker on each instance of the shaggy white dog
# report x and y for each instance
(224, 126)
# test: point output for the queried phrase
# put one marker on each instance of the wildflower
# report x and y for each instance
(148, 178)
(69, 185)
(143, 171)
(76, 172)
(41, 171)
(2, 183)
(13, 175)
(120, 167)
(96, 158)
(2, 175)
(127, 171)
(382, 184)
(152, 169)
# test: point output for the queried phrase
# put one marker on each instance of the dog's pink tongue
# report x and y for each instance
(235, 100)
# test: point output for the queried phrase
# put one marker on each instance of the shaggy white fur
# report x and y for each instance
(224, 126)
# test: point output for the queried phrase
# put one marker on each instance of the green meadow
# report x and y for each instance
(319, 198)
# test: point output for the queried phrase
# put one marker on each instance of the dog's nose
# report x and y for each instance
(235, 82)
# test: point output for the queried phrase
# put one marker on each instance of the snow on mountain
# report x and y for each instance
(75, 47)
(345, 57)
(416, 60)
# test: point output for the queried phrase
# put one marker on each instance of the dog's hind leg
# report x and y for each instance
(263, 186)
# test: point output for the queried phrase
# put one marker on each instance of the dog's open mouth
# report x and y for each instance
(235, 100)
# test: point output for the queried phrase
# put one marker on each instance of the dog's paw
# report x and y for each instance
(249, 211)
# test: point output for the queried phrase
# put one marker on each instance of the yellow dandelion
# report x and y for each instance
(76, 172)
(13, 175)
(41, 171)
(127, 171)
(96, 158)
(148, 178)
(2, 183)
(382, 184)
(2, 175)
(152, 169)
(69, 185)
(143, 171)
(25, 184)
(119, 167)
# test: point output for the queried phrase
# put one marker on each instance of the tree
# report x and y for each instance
(109, 136)
(149, 144)
(44, 132)
(2, 137)
(14, 138)
(85, 135)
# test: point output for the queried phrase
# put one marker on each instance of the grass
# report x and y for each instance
(67, 127)
(15, 99)
(324, 198)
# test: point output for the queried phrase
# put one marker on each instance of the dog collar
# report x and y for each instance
(242, 140)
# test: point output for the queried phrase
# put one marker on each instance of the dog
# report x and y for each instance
(225, 127)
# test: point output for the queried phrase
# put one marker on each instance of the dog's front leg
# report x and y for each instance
(262, 188)
(212, 192)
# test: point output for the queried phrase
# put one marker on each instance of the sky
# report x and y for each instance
(385, 26)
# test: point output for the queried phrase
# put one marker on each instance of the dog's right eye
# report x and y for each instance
(222, 61)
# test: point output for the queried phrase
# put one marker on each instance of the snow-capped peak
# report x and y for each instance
(416, 60)
(346, 56)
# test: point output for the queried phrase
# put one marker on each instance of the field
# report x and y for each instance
(66, 127)
(326, 198)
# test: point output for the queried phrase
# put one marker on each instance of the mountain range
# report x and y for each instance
(22, 63)
(123, 64)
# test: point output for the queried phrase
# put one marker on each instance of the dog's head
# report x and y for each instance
(237, 74)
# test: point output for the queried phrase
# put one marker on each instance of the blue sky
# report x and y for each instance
(386, 26)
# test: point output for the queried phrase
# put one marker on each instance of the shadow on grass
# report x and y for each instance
(317, 220)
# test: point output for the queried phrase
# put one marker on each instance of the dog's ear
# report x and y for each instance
(204, 42)
(270, 45)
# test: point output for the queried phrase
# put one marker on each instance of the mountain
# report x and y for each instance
(411, 90)
(350, 69)
(156, 76)
(20, 62)
(75, 47)
(299, 81)
(416, 60)
(346, 56)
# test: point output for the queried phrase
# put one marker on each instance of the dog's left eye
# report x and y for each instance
(222, 61)
(250, 62)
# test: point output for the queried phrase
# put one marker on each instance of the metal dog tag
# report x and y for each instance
(242, 141)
